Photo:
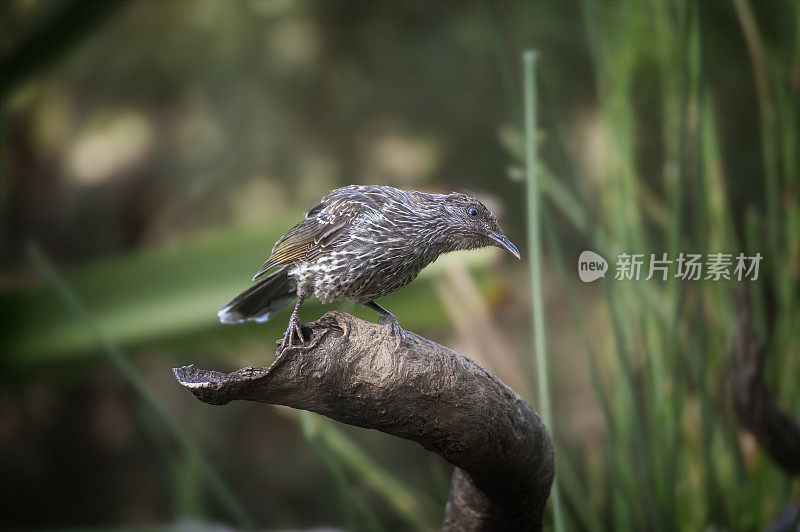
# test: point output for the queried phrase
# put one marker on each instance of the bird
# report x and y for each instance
(360, 243)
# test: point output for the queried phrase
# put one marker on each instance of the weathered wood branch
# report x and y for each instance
(775, 430)
(422, 391)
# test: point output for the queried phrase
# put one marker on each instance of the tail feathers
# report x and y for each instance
(261, 301)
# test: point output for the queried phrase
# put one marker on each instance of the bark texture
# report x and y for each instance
(421, 391)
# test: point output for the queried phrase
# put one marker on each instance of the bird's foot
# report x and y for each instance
(393, 328)
(293, 331)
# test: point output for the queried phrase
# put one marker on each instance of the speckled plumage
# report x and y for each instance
(362, 243)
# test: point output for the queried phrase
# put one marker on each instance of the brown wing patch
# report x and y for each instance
(291, 246)
(307, 239)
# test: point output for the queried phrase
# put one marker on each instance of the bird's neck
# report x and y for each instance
(436, 239)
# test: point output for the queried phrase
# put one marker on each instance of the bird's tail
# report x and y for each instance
(261, 301)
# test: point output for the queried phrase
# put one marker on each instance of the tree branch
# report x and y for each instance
(775, 430)
(422, 391)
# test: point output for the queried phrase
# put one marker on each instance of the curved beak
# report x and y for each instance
(500, 240)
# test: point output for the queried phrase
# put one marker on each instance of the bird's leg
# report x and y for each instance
(294, 329)
(389, 319)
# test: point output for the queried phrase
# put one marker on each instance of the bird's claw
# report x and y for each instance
(293, 331)
(393, 328)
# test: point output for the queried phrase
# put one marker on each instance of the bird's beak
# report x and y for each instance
(500, 240)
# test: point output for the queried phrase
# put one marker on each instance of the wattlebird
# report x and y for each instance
(362, 243)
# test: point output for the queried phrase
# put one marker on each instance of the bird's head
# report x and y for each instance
(471, 225)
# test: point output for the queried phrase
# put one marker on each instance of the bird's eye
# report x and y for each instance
(472, 211)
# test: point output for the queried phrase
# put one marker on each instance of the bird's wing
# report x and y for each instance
(323, 225)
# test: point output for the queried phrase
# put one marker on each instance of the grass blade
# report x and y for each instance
(416, 511)
(128, 370)
(535, 248)
(351, 504)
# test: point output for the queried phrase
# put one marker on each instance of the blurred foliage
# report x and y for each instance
(673, 445)
(155, 150)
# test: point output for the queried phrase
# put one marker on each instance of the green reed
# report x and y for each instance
(673, 458)
(535, 250)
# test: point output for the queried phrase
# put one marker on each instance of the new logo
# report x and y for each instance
(591, 266)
